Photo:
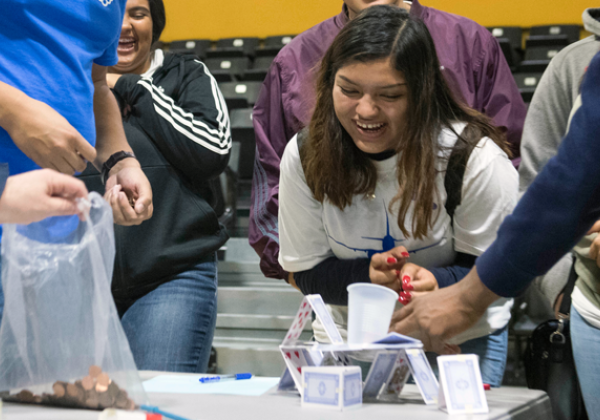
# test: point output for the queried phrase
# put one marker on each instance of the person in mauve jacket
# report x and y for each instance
(472, 64)
(175, 118)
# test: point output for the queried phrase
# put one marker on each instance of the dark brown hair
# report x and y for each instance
(336, 170)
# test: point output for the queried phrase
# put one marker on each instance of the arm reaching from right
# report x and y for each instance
(440, 315)
(44, 135)
(33, 196)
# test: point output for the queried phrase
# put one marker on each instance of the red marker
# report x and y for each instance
(487, 387)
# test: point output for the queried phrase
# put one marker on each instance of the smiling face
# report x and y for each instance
(136, 39)
(371, 101)
(357, 6)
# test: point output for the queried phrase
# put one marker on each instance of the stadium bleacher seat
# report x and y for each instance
(546, 41)
(234, 66)
(199, 47)
(263, 63)
(527, 83)
(537, 59)
(509, 38)
(259, 69)
(240, 94)
(242, 132)
(272, 45)
(254, 75)
(513, 34)
(570, 32)
(247, 46)
(225, 53)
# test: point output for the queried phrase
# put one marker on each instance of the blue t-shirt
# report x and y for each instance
(47, 48)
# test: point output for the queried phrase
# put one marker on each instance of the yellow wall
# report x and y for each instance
(230, 18)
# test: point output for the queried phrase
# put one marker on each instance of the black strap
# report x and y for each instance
(565, 305)
(455, 171)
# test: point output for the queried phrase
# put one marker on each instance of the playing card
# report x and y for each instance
(321, 388)
(352, 389)
(294, 360)
(341, 359)
(424, 377)
(337, 387)
(303, 315)
(379, 372)
(398, 375)
(312, 357)
(462, 386)
(317, 304)
(286, 383)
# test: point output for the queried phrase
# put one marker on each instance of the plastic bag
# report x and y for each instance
(61, 340)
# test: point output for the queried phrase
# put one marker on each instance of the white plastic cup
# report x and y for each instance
(370, 309)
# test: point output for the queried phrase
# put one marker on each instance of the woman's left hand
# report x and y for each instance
(416, 281)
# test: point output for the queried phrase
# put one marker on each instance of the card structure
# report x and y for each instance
(398, 375)
(318, 305)
(302, 317)
(286, 383)
(296, 359)
(379, 373)
(424, 377)
(335, 387)
(309, 304)
(299, 355)
(461, 386)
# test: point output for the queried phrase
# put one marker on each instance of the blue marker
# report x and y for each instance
(233, 377)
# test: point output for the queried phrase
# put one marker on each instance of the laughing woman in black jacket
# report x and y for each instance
(165, 278)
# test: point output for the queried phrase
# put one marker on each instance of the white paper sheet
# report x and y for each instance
(190, 384)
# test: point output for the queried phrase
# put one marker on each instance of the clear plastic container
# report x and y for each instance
(370, 309)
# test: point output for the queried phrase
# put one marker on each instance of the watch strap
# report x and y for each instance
(112, 161)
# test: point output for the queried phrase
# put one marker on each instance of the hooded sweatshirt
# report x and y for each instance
(177, 124)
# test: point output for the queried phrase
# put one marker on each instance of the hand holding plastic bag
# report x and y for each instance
(61, 338)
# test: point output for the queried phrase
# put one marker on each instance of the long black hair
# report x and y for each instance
(159, 18)
(335, 169)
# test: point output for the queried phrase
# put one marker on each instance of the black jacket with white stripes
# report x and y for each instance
(178, 127)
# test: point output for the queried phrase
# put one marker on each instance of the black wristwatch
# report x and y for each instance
(112, 161)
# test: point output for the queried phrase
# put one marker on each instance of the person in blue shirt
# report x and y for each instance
(559, 207)
(48, 99)
(35, 195)
(56, 109)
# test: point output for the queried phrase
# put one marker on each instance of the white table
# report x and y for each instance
(505, 403)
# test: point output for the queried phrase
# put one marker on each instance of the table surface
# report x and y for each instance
(504, 403)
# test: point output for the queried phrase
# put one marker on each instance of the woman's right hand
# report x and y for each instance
(385, 268)
(416, 281)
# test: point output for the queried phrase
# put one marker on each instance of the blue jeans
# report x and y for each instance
(585, 340)
(171, 328)
(491, 349)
